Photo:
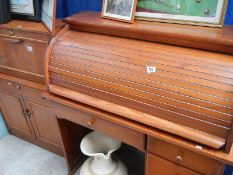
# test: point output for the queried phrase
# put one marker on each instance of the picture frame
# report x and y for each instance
(120, 10)
(48, 16)
(26, 9)
(195, 12)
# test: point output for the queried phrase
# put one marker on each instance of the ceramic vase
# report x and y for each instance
(101, 161)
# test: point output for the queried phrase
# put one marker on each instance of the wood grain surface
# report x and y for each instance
(192, 88)
(214, 39)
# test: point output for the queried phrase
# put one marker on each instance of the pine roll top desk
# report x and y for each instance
(164, 89)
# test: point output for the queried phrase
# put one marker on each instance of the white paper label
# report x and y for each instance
(199, 147)
(30, 49)
(150, 69)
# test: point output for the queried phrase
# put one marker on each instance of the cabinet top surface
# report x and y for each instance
(224, 34)
(26, 26)
(209, 38)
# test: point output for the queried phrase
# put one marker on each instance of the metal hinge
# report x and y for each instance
(27, 113)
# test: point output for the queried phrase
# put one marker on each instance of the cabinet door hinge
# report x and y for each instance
(27, 113)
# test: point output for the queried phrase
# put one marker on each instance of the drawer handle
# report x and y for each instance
(13, 41)
(179, 159)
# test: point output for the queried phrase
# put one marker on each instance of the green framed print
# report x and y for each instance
(195, 12)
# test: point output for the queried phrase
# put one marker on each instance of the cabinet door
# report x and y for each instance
(44, 124)
(12, 109)
(158, 166)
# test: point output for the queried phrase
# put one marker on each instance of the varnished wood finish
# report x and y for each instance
(194, 91)
(44, 123)
(158, 166)
(49, 50)
(72, 135)
(213, 39)
(22, 49)
(183, 157)
(94, 122)
(15, 118)
(32, 118)
(218, 155)
(29, 90)
(186, 132)
(25, 29)
(15, 57)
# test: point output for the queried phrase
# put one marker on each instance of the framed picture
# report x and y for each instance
(195, 12)
(48, 13)
(26, 9)
(121, 10)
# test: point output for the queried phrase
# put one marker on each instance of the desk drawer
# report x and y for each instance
(22, 57)
(10, 86)
(25, 34)
(158, 166)
(16, 87)
(114, 130)
(5, 31)
(183, 157)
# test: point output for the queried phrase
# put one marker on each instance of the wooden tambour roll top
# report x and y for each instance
(190, 94)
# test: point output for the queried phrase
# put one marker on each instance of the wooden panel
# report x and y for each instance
(215, 39)
(5, 31)
(158, 166)
(29, 90)
(194, 91)
(12, 109)
(25, 29)
(42, 117)
(45, 124)
(219, 155)
(72, 135)
(183, 157)
(23, 55)
(33, 35)
(93, 122)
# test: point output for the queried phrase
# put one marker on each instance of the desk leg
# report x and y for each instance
(72, 135)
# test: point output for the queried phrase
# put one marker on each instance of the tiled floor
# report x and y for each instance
(18, 157)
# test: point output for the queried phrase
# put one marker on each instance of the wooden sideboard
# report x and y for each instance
(56, 114)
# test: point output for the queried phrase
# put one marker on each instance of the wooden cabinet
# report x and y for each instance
(14, 112)
(28, 115)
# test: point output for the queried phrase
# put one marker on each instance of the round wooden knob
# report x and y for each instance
(179, 159)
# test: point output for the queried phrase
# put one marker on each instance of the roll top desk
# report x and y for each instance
(164, 89)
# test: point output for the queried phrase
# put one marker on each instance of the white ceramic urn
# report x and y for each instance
(101, 161)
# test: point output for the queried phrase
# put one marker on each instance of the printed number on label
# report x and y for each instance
(150, 69)
(29, 48)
